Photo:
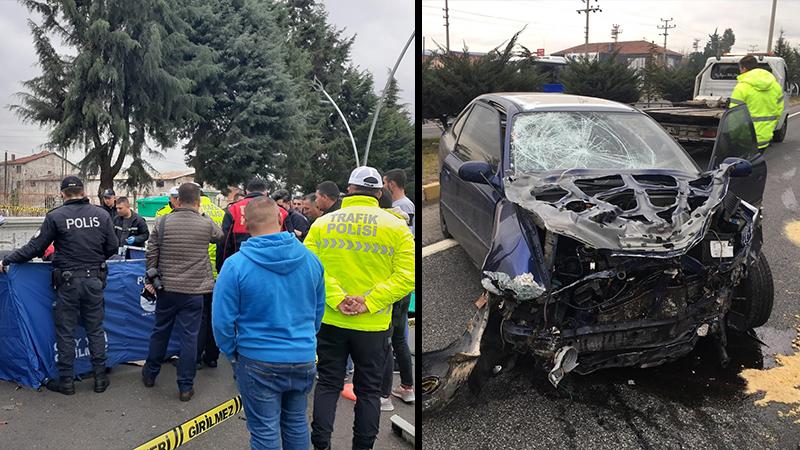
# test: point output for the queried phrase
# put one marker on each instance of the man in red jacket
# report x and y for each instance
(234, 228)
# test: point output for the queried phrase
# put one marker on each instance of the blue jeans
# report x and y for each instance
(187, 310)
(275, 398)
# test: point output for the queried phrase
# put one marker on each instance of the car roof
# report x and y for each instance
(736, 58)
(540, 101)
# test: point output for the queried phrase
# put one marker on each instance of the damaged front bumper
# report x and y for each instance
(641, 303)
(444, 371)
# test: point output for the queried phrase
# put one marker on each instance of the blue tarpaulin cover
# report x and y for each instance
(27, 332)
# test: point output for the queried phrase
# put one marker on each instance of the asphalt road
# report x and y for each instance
(128, 414)
(692, 403)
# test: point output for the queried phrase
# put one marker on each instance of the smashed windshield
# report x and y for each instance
(593, 140)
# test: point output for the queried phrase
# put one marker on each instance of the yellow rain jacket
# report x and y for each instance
(211, 210)
(760, 91)
(367, 251)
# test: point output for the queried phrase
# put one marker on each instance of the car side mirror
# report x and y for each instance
(476, 172)
(741, 167)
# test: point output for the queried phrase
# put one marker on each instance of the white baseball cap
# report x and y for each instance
(173, 192)
(366, 176)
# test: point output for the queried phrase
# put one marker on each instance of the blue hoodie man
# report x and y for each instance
(267, 309)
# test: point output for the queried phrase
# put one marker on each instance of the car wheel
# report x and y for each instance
(756, 293)
(780, 135)
(446, 234)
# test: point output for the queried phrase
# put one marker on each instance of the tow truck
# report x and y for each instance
(695, 121)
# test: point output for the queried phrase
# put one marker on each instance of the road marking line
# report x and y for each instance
(793, 114)
(438, 247)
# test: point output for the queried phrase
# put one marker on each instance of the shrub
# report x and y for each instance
(603, 78)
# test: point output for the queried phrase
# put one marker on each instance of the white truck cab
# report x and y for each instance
(696, 120)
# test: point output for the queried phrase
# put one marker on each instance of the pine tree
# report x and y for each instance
(128, 82)
(451, 80)
(604, 78)
(319, 51)
(250, 120)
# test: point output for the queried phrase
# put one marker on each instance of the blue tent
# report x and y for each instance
(28, 354)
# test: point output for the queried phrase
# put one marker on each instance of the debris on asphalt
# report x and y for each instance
(779, 384)
(631, 383)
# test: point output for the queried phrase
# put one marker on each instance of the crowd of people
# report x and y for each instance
(291, 289)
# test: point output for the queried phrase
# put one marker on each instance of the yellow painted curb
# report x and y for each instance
(430, 192)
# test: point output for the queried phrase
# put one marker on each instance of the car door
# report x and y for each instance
(736, 137)
(471, 206)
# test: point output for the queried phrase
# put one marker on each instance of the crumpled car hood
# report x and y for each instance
(653, 212)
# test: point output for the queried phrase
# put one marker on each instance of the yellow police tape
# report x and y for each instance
(192, 428)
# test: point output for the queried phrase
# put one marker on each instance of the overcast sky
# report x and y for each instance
(381, 26)
(555, 25)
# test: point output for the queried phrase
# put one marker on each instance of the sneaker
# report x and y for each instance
(386, 404)
(348, 393)
(404, 393)
(186, 396)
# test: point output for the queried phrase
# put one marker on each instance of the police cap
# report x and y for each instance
(109, 193)
(70, 182)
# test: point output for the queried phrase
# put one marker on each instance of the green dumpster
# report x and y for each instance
(148, 206)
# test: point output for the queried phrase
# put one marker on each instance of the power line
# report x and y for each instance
(666, 27)
(451, 10)
(588, 9)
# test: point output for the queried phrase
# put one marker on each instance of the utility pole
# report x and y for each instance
(696, 45)
(771, 26)
(447, 26)
(666, 27)
(615, 31)
(588, 9)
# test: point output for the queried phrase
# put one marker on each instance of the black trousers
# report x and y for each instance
(80, 299)
(400, 347)
(368, 350)
(205, 339)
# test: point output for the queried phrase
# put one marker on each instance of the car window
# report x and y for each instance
(735, 137)
(542, 141)
(459, 123)
(480, 139)
(729, 71)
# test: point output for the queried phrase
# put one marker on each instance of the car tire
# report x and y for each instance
(780, 135)
(445, 233)
(757, 293)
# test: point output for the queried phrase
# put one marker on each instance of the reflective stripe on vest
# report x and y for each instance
(765, 119)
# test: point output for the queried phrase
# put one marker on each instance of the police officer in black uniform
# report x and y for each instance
(83, 237)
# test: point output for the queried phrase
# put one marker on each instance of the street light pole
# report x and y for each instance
(771, 26)
(383, 96)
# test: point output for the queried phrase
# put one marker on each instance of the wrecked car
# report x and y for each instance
(601, 242)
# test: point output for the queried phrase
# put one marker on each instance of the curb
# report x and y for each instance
(430, 192)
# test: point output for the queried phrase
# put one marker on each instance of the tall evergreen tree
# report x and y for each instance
(128, 82)
(319, 51)
(251, 121)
